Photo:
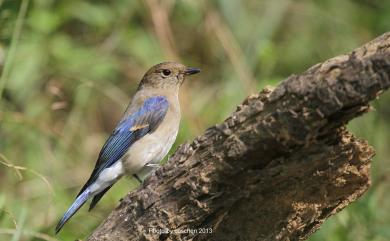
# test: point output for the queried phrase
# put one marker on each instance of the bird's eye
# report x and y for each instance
(166, 72)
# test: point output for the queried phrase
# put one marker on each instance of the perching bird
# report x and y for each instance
(142, 137)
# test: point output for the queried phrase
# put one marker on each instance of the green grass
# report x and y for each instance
(70, 67)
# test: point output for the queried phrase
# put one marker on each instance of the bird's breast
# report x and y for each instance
(153, 147)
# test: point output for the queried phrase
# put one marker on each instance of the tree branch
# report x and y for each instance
(276, 169)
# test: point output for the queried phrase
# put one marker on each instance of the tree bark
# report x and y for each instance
(276, 169)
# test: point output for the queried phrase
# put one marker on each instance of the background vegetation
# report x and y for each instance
(69, 67)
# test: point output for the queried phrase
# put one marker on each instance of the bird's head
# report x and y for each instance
(166, 75)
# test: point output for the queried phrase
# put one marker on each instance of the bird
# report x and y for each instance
(142, 137)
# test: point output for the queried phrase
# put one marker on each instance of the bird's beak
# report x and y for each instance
(191, 71)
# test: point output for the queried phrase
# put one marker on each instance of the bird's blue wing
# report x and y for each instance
(130, 129)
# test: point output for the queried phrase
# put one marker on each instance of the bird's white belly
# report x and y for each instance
(107, 177)
(150, 149)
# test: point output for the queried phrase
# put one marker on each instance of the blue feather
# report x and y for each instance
(77, 204)
(151, 113)
(148, 116)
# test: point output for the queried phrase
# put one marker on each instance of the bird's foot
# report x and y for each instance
(153, 165)
(137, 178)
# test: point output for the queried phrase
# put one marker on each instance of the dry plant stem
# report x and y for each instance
(231, 48)
(159, 11)
(276, 169)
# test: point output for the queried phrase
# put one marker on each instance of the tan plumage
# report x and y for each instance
(143, 136)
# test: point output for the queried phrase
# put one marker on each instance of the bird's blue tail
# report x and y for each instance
(77, 204)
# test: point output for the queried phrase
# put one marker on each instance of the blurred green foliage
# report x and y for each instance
(69, 67)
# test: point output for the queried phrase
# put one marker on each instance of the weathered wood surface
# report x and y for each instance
(276, 169)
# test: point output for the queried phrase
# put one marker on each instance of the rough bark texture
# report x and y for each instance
(276, 169)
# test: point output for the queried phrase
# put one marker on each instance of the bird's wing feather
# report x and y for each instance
(97, 197)
(130, 129)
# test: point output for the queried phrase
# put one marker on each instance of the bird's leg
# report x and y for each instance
(137, 178)
(153, 165)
